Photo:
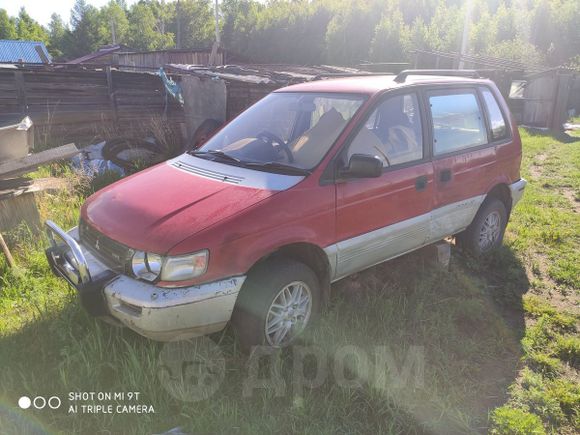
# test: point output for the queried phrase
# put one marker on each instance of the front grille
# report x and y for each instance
(114, 255)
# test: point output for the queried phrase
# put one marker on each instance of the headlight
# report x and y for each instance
(146, 265)
(184, 267)
(149, 267)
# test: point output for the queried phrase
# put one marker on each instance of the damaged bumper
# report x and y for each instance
(517, 190)
(155, 312)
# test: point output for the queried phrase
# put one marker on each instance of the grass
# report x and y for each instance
(403, 347)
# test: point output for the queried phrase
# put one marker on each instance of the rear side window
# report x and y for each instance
(457, 122)
(496, 120)
(392, 133)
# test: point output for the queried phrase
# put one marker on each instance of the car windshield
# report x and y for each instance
(284, 132)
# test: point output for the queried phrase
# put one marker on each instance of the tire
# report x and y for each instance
(262, 288)
(485, 234)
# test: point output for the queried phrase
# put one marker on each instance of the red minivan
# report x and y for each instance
(314, 182)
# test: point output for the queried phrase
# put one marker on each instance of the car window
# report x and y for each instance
(346, 108)
(392, 132)
(497, 122)
(293, 129)
(457, 122)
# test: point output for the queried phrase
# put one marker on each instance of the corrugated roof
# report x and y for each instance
(23, 51)
(103, 51)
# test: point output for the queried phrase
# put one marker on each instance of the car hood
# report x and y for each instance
(158, 208)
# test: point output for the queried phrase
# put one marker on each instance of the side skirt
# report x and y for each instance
(366, 250)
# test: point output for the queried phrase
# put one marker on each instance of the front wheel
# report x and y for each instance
(278, 301)
(485, 234)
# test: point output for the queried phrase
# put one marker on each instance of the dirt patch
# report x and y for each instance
(571, 196)
(550, 290)
(536, 167)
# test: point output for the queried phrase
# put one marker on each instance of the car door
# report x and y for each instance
(463, 160)
(380, 218)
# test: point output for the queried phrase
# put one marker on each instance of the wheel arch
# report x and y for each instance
(501, 192)
(311, 255)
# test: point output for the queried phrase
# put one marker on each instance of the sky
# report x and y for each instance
(41, 10)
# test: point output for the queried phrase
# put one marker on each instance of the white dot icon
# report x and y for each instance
(24, 402)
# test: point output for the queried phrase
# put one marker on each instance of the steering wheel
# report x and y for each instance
(271, 138)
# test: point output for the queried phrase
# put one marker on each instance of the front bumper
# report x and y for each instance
(517, 190)
(155, 312)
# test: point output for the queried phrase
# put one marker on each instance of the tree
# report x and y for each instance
(446, 28)
(85, 36)
(316, 31)
(28, 29)
(145, 30)
(57, 32)
(114, 24)
(239, 18)
(419, 34)
(350, 32)
(392, 39)
(196, 22)
(7, 26)
(518, 50)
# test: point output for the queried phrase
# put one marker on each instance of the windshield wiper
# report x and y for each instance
(278, 167)
(274, 166)
(216, 153)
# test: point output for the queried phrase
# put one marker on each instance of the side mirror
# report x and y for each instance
(363, 166)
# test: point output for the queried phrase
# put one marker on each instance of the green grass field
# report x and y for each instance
(487, 346)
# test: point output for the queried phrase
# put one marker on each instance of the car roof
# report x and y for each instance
(371, 84)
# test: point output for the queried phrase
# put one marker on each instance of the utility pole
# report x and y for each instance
(465, 37)
(178, 18)
(113, 33)
(216, 44)
(217, 23)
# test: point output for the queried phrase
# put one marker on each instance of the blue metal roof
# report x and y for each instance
(22, 51)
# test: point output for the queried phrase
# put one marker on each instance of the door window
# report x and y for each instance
(392, 132)
(457, 122)
(497, 122)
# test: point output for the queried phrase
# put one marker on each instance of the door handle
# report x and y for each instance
(421, 183)
(445, 175)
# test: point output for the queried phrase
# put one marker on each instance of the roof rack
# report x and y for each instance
(349, 74)
(471, 73)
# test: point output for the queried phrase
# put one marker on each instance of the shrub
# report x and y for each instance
(568, 349)
(512, 421)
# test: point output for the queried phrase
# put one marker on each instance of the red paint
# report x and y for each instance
(158, 208)
(166, 211)
(369, 204)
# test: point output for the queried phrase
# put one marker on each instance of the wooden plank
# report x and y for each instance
(7, 254)
(18, 210)
(18, 186)
(31, 162)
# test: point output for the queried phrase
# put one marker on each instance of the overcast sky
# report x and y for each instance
(41, 10)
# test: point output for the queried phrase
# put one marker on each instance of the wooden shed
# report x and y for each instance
(549, 96)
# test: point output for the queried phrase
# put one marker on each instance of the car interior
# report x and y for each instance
(392, 133)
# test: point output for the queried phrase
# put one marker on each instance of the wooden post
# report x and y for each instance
(559, 115)
(19, 82)
(112, 98)
(6, 252)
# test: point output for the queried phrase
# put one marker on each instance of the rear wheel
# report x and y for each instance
(485, 234)
(278, 301)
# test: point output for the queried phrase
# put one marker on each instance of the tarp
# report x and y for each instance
(171, 87)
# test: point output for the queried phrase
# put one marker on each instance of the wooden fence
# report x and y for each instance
(72, 104)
